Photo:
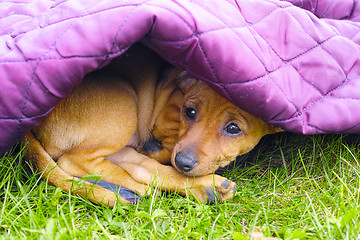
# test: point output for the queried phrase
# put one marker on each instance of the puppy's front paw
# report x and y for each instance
(213, 188)
(156, 151)
(152, 146)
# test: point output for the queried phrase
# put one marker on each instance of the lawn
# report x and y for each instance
(290, 187)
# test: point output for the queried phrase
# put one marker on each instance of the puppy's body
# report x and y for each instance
(98, 127)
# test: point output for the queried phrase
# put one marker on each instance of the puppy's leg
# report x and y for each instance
(58, 177)
(82, 164)
(146, 170)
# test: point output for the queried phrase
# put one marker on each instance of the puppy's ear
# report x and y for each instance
(184, 81)
(272, 129)
(169, 76)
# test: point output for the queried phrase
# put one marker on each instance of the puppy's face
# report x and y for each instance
(213, 131)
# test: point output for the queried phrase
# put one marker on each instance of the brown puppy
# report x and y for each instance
(211, 131)
(98, 127)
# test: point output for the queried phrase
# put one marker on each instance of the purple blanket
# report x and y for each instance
(294, 63)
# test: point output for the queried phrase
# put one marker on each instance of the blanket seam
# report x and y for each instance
(78, 17)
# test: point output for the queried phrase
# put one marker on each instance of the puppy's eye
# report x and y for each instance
(232, 129)
(190, 113)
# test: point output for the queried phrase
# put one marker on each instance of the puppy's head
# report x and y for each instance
(213, 131)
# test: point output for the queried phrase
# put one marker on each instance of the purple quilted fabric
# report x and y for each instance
(294, 63)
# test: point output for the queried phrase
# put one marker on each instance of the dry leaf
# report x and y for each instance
(256, 234)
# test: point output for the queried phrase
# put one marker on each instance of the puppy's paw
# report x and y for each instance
(156, 151)
(214, 188)
(152, 146)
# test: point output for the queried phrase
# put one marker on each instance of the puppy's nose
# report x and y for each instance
(185, 162)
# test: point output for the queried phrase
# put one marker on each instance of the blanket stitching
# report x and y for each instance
(22, 61)
(32, 79)
(352, 10)
(325, 50)
(301, 5)
(355, 35)
(226, 27)
(326, 131)
(15, 14)
(200, 46)
(28, 117)
(282, 66)
(20, 14)
(212, 68)
(309, 83)
(194, 74)
(237, 8)
(287, 62)
(177, 15)
(321, 45)
(286, 97)
(63, 57)
(292, 58)
(109, 53)
(323, 97)
(317, 128)
(326, 10)
(277, 8)
(82, 16)
(283, 120)
(33, 76)
(328, 93)
(236, 34)
(316, 6)
(312, 104)
(268, 72)
(355, 126)
(190, 37)
(346, 98)
(117, 35)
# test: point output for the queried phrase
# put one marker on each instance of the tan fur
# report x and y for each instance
(97, 129)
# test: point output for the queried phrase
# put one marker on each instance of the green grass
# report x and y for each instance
(293, 187)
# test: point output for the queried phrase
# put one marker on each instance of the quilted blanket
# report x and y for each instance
(294, 63)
